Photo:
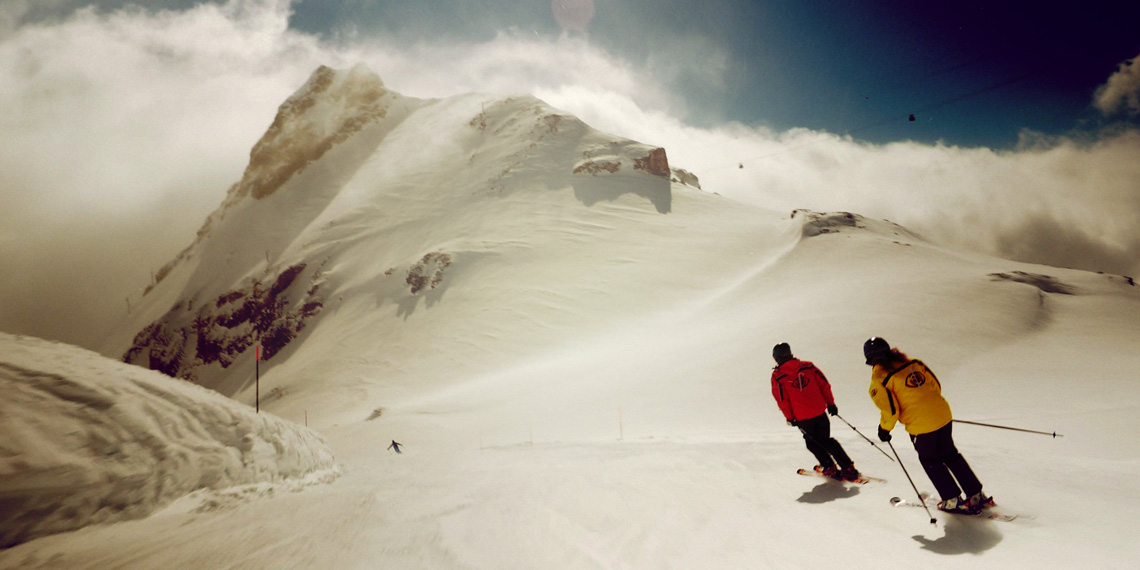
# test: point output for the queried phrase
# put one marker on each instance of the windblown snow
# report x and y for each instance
(89, 440)
(571, 341)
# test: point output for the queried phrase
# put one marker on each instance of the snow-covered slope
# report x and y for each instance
(357, 195)
(89, 440)
(577, 365)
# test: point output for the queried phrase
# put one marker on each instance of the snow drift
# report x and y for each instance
(90, 440)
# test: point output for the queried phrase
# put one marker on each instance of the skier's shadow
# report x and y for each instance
(964, 535)
(827, 492)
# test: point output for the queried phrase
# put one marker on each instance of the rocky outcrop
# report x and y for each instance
(655, 163)
(597, 167)
(324, 113)
(687, 178)
(428, 271)
(327, 111)
(271, 314)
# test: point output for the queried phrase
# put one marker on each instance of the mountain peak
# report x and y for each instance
(331, 107)
(355, 184)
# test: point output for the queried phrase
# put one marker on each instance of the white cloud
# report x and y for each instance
(1053, 200)
(514, 63)
(127, 128)
(123, 130)
(1122, 90)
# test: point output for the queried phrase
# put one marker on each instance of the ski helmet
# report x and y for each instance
(782, 352)
(876, 349)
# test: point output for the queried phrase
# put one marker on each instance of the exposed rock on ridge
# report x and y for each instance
(329, 109)
(218, 332)
(322, 114)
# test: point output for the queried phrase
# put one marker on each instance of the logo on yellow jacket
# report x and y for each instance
(915, 379)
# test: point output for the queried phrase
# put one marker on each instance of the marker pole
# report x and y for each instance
(257, 379)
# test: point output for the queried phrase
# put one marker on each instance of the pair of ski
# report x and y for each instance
(861, 480)
(932, 502)
(928, 501)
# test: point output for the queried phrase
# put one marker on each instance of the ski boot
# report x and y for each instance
(958, 506)
(849, 473)
(829, 471)
(979, 501)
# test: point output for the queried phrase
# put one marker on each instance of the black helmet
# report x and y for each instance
(876, 349)
(782, 352)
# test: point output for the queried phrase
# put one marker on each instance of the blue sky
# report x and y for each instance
(972, 72)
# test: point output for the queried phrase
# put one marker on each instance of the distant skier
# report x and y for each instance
(803, 394)
(906, 391)
(395, 445)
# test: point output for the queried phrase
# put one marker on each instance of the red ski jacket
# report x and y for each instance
(801, 390)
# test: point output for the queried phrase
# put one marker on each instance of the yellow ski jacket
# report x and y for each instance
(909, 394)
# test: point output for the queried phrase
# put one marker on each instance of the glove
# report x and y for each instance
(833, 410)
(793, 423)
(884, 435)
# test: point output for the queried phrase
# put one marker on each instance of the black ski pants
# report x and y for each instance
(946, 467)
(817, 435)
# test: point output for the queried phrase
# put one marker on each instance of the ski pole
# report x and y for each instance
(809, 436)
(864, 437)
(1054, 434)
(933, 520)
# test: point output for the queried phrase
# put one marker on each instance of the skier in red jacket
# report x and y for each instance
(804, 395)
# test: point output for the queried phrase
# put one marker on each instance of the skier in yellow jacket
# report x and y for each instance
(906, 391)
